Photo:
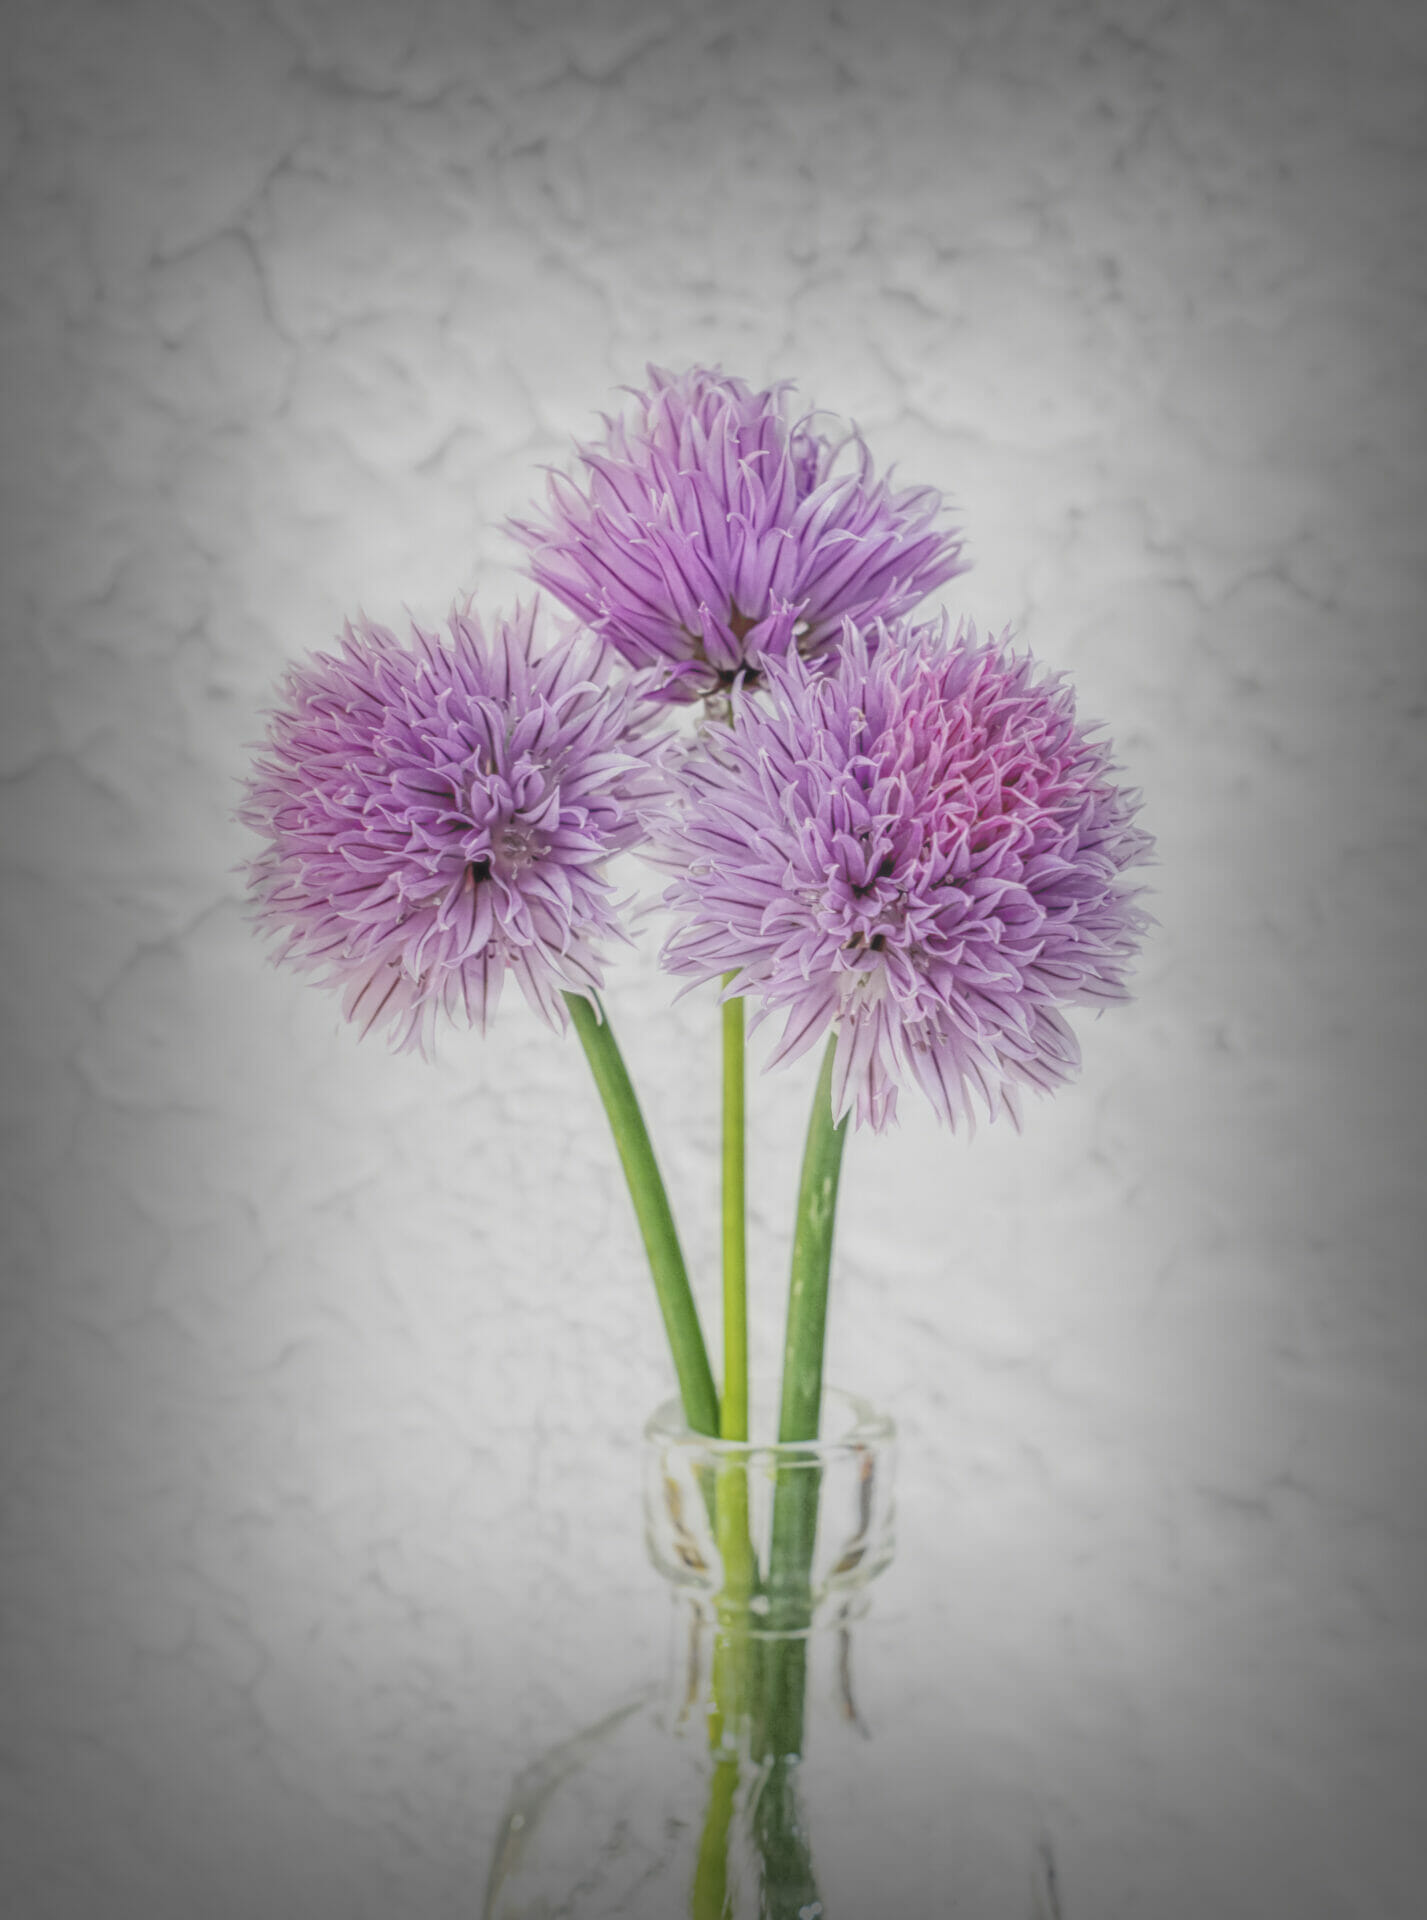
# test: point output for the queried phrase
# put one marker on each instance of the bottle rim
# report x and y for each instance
(856, 1426)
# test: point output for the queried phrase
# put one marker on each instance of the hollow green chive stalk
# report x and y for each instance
(651, 1207)
(734, 1544)
(789, 1885)
(710, 1894)
(812, 1261)
(732, 1649)
(795, 1496)
(733, 1413)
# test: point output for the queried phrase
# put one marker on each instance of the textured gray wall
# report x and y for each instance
(322, 1370)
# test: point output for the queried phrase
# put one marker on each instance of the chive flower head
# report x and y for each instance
(711, 533)
(920, 848)
(438, 814)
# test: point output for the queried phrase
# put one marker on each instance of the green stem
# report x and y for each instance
(651, 1206)
(812, 1261)
(733, 1414)
(731, 1662)
(789, 1885)
(734, 1543)
(710, 1893)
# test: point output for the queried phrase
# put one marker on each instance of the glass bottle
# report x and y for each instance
(750, 1784)
(741, 1786)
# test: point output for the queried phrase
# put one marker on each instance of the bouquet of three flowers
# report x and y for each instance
(891, 834)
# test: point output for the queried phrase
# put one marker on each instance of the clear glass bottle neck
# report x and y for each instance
(717, 1671)
(770, 1551)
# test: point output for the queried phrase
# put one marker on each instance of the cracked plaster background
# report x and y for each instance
(322, 1370)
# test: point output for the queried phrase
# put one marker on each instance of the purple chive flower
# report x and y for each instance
(923, 848)
(437, 814)
(712, 534)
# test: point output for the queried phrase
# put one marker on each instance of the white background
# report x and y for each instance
(323, 1370)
